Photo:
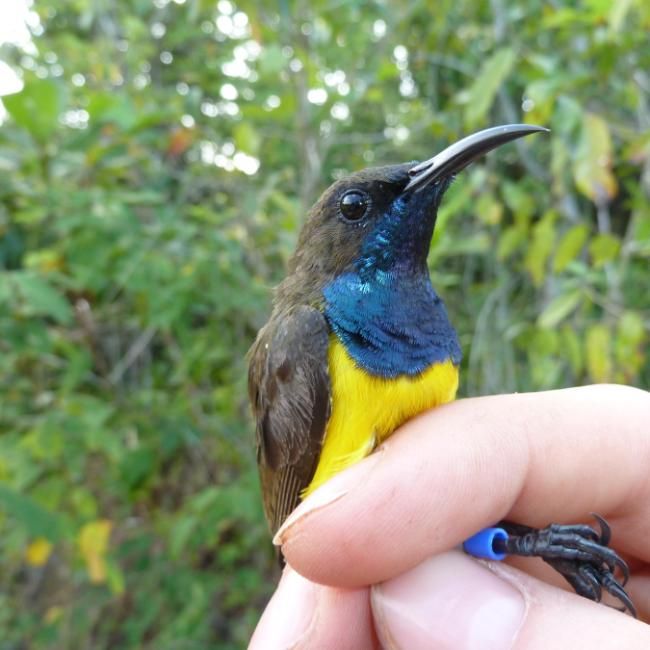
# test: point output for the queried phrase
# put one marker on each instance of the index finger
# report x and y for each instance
(534, 458)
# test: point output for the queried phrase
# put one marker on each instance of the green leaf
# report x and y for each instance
(559, 308)
(115, 577)
(631, 328)
(604, 248)
(482, 92)
(569, 247)
(181, 534)
(473, 245)
(137, 467)
(520, 202)
(41, 298)
(36, 107)
(573, 348)
(567, 118)
(629, 345)
(458, 198)
(116, 108)
(592, 166)
(489, 209)
(511, 239)
(37, 521)
(541, 247)
(272, 60)
(246, 138)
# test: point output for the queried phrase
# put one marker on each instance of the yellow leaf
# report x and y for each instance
(539, 100)
(44, 261)
(592, 166)
(38, 552)
(93, 543)
(599, 360)
(53, 614)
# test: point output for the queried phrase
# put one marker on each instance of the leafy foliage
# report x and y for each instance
(139, 241)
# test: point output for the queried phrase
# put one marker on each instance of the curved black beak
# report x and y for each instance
(460, 154)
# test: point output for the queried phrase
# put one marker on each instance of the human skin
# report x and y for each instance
(369, 551)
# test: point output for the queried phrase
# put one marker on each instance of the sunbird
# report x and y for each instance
(359, 341)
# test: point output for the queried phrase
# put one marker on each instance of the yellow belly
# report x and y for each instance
(367, 409)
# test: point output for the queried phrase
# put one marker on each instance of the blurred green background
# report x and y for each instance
(154, 170)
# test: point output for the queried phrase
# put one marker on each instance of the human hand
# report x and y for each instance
(390, 521)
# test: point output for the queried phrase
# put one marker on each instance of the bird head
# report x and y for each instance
(378, 222)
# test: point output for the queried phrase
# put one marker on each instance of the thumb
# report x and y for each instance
(453, 601)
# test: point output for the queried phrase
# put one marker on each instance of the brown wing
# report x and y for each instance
(289, 388)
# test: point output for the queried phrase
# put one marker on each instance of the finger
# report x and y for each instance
(304, 615)
(453, 601)
(535, 458)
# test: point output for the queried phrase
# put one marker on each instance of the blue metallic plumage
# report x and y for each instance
(385, 311)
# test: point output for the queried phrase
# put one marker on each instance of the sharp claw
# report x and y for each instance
(589, 576)
(625, 570)
(617, 591)
(599, 580)
(605, 530)
(605, 538)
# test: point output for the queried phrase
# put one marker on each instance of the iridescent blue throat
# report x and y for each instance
(391, 325)
(385, 311)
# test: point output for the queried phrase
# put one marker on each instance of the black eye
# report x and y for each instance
(354, 205)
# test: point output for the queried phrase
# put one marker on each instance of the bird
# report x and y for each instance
(359, 341)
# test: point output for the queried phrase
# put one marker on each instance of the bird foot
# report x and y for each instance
(577, 552)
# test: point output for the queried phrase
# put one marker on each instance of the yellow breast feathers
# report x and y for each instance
(366, 409)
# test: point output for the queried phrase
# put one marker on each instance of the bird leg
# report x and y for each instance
(577, 552)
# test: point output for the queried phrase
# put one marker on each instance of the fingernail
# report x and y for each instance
(449, 602)
(315, 501)
(328, 493)
(289, 615)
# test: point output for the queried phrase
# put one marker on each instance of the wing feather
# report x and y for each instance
(289, 389)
